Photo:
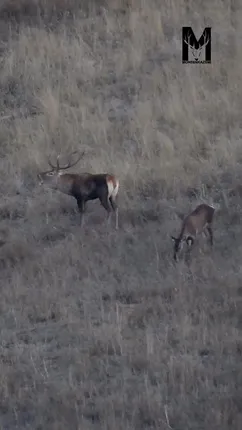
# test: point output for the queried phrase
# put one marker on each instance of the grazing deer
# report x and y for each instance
(83, 187)
(198, 221)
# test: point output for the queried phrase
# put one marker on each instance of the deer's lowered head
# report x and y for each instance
(198, 221)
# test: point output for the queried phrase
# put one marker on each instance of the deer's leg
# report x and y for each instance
(106, 204)
(210, 232)
(205, 232)
(81, 206)
(115, 209)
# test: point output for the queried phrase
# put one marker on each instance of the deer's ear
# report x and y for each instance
(190, 241)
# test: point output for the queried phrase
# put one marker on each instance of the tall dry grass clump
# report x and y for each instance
(100, 330)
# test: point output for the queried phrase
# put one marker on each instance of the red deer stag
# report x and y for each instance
(198, 221)
(83, 187)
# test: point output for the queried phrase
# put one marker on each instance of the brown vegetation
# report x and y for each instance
(99, 328)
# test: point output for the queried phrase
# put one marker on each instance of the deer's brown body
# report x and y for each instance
(84, 187)
(198, 221)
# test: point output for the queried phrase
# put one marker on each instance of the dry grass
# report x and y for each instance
(99, 329)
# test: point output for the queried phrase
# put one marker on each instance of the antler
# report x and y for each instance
(188, 41)
(69, 164)
(206, 40)
(57, 167)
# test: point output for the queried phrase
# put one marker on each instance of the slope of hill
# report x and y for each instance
(99, 328)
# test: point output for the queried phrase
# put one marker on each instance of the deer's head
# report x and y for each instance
(179, 242)
(196, 52)
(51, 177)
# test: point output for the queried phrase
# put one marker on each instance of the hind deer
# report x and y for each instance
(198, 221)
(83, 187)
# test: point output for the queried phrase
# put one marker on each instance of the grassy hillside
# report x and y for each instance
(99, 328)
